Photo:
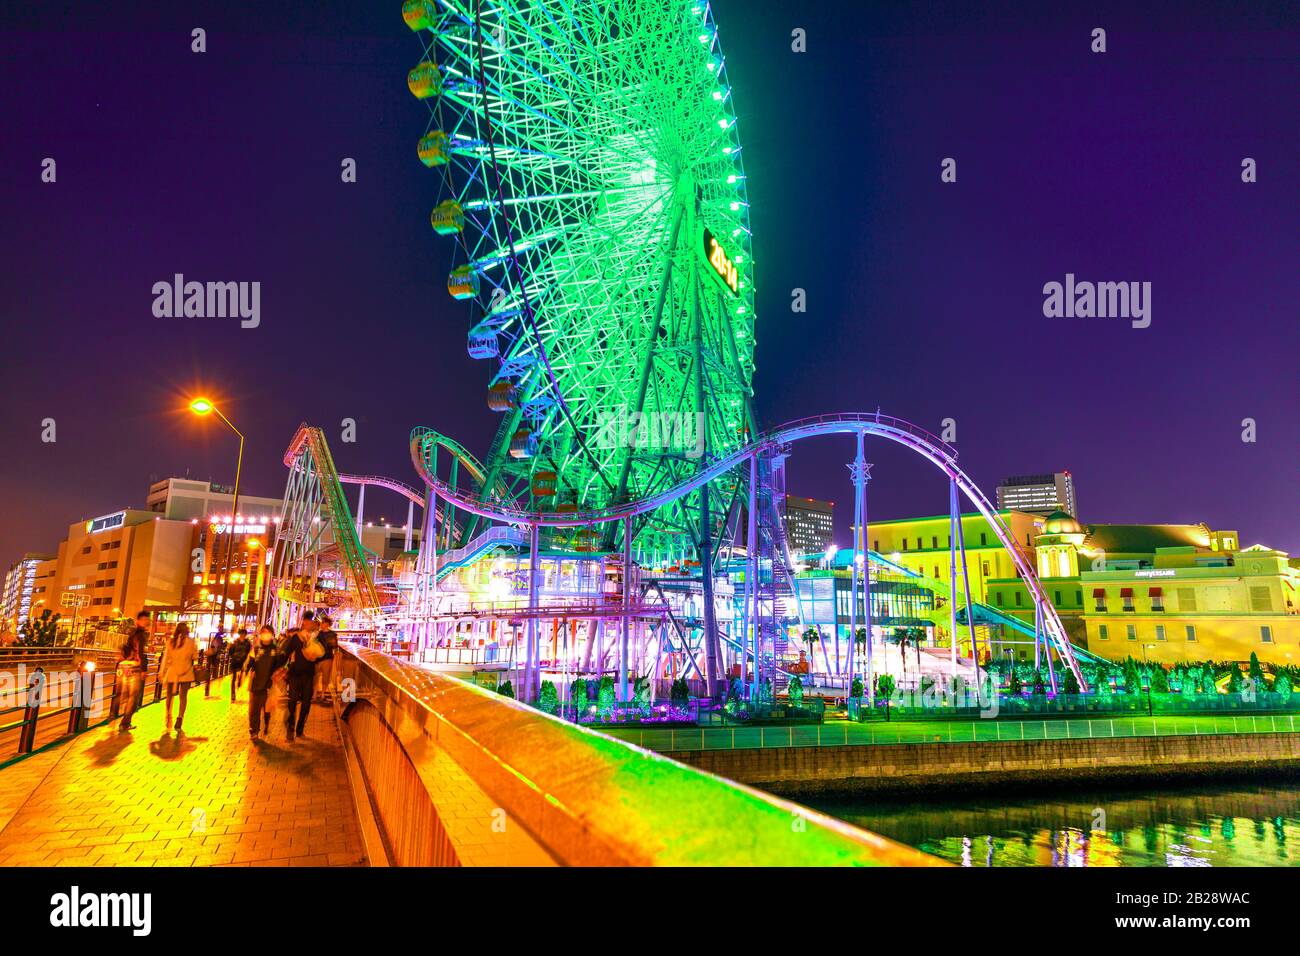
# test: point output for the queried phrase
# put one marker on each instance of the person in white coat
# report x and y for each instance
(177, 671)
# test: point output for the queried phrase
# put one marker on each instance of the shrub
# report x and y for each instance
(606, 696)
(795, 691)
(578, 693)
(680, 694)
(548, 701)
(1071, 684)
(858, 687)
(506, 689)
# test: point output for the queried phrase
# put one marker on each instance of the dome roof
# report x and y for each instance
(1061, 522)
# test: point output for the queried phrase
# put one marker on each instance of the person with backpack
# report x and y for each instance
(131, 669)
(239, 651)
(176, 672)
(325, 668)
(302, 653)
(261, 665)
(212, 657)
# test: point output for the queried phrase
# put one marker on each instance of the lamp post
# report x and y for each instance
(1146, 677)
(202, 406)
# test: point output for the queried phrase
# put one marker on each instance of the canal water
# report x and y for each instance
(1230, 825)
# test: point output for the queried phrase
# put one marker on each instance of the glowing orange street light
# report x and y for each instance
(202, 406)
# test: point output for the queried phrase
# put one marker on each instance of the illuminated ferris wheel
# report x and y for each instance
(591, 179)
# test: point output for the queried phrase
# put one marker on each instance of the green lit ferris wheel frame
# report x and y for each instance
(592, 182)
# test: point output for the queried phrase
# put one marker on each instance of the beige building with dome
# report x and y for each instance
(1166, 592)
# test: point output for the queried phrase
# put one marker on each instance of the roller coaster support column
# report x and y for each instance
(712, 645)
(751, 577)
(410, 521)
(858, 471)
(1038, 636)
(426, 567)
(624, 631)
(528, 693)
(1047, 650)
(970, 608)
(866, 581)
(361, 508)
(953, 518)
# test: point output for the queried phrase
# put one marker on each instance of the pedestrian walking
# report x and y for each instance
(216, 647)
(325, 667)
(302, 654)
(177, 672)
(261, 665)
(131, 669)
(240, 648)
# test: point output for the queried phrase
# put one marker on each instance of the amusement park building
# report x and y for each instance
(1167, 592)
(922, 545)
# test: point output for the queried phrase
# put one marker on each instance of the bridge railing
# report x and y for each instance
(458, 775)
(49, 694)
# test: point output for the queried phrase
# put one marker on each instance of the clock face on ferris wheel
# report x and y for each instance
(590, 179)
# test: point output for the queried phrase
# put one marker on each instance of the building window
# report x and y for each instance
(1078, 598)
(1160, 632)
(1017, 599)
(985, 566)
(934, 541)
(1099, 598)
(1261, 601)
(998, 596)
(1103, 634)
(1191, 633)
(984, 539)
(936, 572)
(1132, 631)
(1157, 599)
(1126, 595)
(1266, 634)
(904, 544)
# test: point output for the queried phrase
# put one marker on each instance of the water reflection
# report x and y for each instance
(1230, 826)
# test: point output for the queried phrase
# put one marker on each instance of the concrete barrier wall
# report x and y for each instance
(845, 771)
(510, 785)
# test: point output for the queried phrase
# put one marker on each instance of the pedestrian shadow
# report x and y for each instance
(106, 750)
(168, 747)
(293, 759)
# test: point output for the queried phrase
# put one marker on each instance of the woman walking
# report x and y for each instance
(177, 671)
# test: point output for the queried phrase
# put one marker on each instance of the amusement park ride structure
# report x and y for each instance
(592, 187)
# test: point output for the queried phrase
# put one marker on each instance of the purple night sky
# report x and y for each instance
(924, 298)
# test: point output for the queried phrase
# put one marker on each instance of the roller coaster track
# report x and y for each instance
(939, 453)
(308, 459)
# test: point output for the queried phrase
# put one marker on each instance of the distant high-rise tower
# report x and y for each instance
(808, 524)
(1039, 494)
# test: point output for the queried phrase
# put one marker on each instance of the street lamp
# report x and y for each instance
(203, 406)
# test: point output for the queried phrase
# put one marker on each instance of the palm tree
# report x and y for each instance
(810, 637)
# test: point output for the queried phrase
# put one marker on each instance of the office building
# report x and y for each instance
(1039, 494)
(809, 524)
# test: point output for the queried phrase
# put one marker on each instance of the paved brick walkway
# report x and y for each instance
(207, 797)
